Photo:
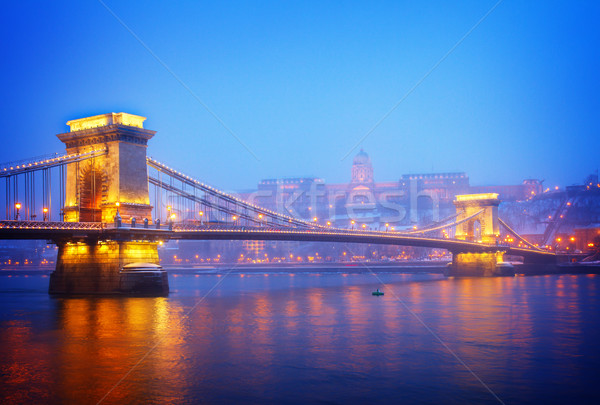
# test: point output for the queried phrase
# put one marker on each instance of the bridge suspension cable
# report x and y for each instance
(28, 165)
(452, 225)
(218, 200)
(431, 227)
(522, 239)
(31, 159)
(22, 199)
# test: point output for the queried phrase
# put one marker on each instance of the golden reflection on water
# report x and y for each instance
(496, 325)
(29, 360)
(101, 339)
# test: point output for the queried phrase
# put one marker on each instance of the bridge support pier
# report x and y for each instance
(95, 268)
(487, 264)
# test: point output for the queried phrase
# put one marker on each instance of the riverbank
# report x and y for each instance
(346, 267)
(434, 267)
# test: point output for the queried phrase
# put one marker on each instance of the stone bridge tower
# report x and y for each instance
(482, 228)
(95, 189)
(95, 186)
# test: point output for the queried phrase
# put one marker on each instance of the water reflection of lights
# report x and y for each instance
(499, 326)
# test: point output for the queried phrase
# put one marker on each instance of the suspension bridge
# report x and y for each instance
(106, 205)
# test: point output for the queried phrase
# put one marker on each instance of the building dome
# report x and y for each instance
(362, 170)
(361, 158)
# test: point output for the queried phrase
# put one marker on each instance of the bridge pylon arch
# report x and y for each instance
(482, 208)
(124, 169)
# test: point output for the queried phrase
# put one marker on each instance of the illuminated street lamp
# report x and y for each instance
(386, 226)
(201, 213)
(352, 222)
(315, 220)
(364, 226)
(17, 208)
(328, 223)
(171, 219)
(234, 219)
(118, 218)
(45, 211)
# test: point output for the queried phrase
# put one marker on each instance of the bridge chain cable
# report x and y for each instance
(233, 206)
(226, 199)
(31, 159)
(28, 165)
(200, 200)
(522, 239)
(23, 189)
(454, 224)
(432, 225)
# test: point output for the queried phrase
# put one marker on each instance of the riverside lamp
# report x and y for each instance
(17, 208)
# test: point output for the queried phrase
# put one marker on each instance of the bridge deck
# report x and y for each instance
(65, 231)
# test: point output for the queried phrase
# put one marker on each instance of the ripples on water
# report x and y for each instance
(305, 338)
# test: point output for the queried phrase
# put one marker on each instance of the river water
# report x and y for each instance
(306, 338)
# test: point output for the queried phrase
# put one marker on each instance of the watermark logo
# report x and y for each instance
(312, 199)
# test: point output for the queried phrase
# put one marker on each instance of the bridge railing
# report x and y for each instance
(200, 228)
(13, 224)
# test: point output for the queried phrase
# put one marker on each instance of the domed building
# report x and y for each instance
(361, 203)
(362, 169)
(414, 198)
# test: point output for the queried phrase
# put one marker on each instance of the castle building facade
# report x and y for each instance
(413, 200)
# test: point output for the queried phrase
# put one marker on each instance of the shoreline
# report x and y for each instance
(299, 268)
(411, 267)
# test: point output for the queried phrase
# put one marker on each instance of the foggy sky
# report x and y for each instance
(300, 84)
